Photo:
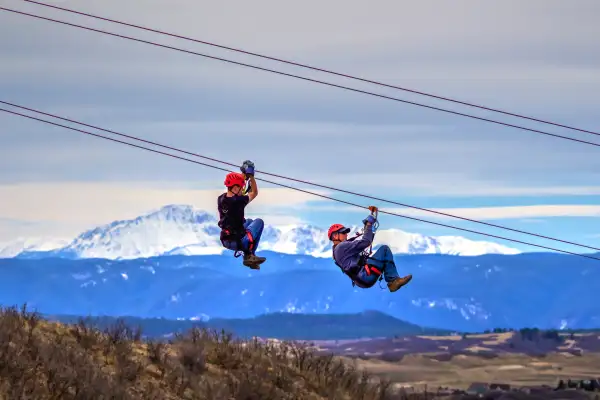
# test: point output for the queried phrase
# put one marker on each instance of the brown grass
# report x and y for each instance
(42, 360)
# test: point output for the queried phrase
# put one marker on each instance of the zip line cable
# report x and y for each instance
(238, 50)
(331, 188)
(298, 189)
(301, 77)
(299, 180)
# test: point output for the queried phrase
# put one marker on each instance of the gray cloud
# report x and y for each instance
(311, 150)
(508, 42)
(534, 57)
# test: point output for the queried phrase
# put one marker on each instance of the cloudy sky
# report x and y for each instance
(536, 58)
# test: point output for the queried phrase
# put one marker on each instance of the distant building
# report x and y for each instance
(478, 388)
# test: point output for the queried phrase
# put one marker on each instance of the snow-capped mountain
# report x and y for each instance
(414, 243)
(155, 233)
(183, 230)
(19, 245)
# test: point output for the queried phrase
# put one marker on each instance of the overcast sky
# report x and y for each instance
(536, 58)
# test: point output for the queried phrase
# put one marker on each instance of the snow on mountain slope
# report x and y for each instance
(291, 239)
(195, 250)
(414, 243)
(19, 245)
(183, 230)
(156, 233)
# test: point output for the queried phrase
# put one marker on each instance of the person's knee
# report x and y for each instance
(258, 225)
(387, 252)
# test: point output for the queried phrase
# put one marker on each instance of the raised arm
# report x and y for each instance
(248, 170)
(253, 188)
(359, 244)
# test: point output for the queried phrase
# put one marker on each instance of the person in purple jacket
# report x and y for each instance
(352, 257)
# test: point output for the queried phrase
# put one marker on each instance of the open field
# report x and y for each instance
(420, 371)
(518, 359)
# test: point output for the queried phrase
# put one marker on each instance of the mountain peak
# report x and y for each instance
(18, 245)
(154, 233)
(180, 212)
(181, 229)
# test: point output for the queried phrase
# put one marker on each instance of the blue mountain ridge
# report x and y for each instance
(285, 326)
(460, 293)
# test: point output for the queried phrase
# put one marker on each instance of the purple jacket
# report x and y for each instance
(347, 253)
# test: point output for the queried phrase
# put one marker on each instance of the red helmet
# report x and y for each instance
(337, 228)
(235, 178)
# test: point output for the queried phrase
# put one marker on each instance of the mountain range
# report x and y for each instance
(283, 326)
(183, 230)
(472, 294)
(169, 264)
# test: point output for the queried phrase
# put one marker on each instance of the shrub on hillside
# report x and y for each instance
(41, 360)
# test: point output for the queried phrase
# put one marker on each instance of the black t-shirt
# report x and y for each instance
(231, 211)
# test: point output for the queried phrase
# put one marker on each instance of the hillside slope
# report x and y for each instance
(41, 360)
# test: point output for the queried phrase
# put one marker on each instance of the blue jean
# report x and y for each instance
(255, 228)
(383, 260)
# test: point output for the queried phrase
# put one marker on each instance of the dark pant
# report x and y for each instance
(254, 228)
(383, 260)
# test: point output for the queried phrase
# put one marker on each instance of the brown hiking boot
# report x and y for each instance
(252, 261)
(398, 283)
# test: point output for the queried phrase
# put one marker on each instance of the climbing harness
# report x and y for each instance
(374, 213)
(367, 254)
(248, 187)
(236, 236)
(363, 257)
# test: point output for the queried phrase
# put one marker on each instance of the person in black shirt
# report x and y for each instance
(238, 233)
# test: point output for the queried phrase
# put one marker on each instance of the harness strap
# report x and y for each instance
(226, 234)
(250, 241)
(247, 186)
(370, 268)
(375, 213)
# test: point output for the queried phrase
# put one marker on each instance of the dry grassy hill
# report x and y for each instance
(41, 360)
(47, 360)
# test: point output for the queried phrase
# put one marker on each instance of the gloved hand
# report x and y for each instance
(370, 219)
(247, 168)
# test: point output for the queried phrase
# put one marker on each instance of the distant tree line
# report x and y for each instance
(532, 334)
